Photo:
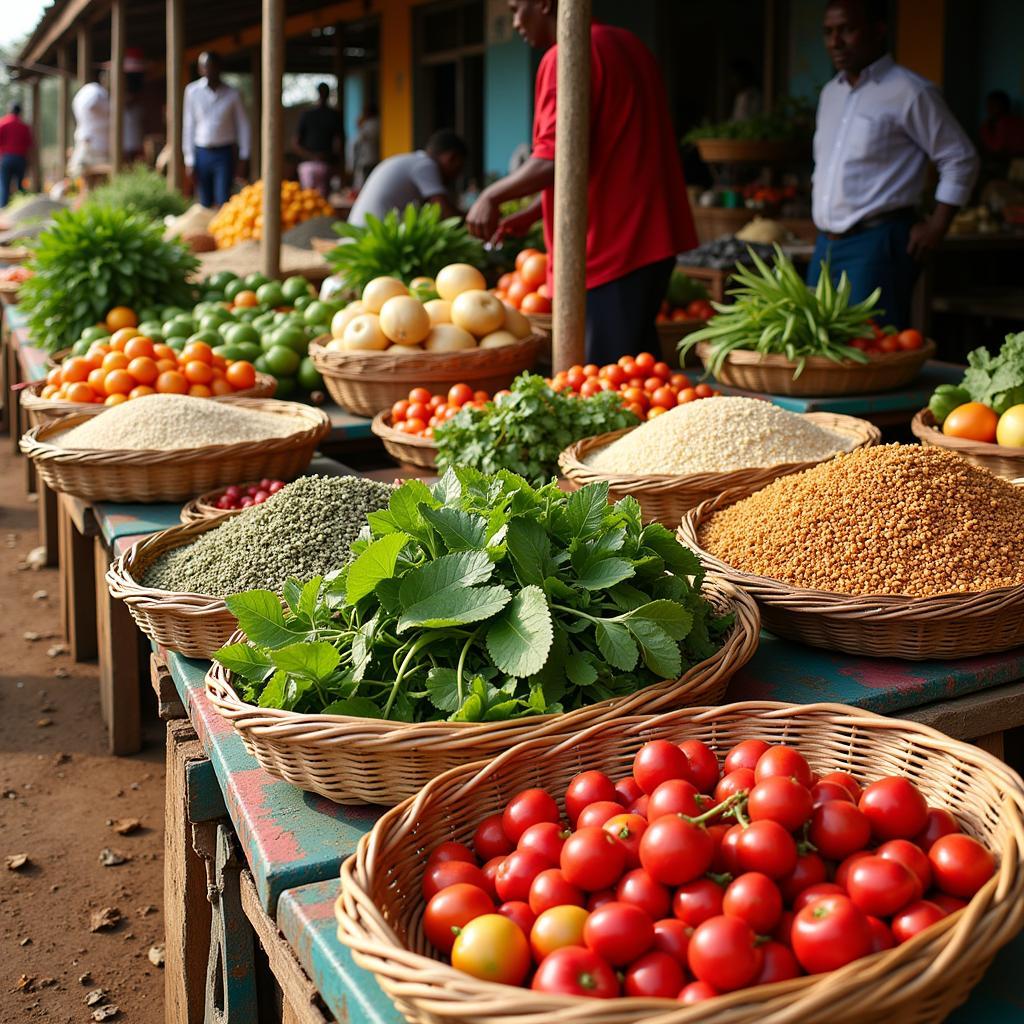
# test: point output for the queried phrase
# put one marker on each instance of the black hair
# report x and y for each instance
(874, 10)
(446, 141)
(210, 56)
(323, 89)
(16, 109)
(1001, 97)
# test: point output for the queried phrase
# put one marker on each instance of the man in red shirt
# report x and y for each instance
(15, 146)
(639, 214)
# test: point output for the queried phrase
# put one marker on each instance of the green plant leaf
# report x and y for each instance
(585, 510)
(309, 596)
(673, 618)
(457, 571)
(356, 707)
(659, 651)
(518, 641)
(376, 563)
(605, 573)
(291, 592)
(617, 646)
(580, 670)
(443, 689)
(316, 660)
(455, 606)
(460, 531)
(529, 547)
(244, 660)
(261, 618)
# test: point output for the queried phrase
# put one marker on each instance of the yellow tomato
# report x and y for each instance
(1010, 431)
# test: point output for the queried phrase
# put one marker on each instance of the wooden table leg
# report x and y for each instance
(169, 706)
(78, 586)
(47, 513)
(992, 743)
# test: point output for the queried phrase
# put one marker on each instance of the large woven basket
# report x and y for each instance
(380, 907)
(996, 458)
(879, 626)
(14, 253)
(175, 475)
(406, 449)
(381, 762)
(665, 498)
(364, 383)
(773, 374)
(194, 625)
(745, 151)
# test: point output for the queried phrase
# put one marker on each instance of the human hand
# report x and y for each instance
(482, 219)
(925, 238)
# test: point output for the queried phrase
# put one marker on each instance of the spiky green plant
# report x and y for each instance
(142, 190)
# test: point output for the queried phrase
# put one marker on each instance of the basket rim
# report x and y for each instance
(737, 648)
(774, 360)
(337, 363)
(923, 427)
(371, 949)
(380, 425)
(571, 462)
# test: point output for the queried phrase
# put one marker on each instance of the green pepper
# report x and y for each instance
(946, 398)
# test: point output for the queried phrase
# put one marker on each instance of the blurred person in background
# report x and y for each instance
(365, 146)
(1002, 131)
(90, 156)
(319, 141)
(15, 148)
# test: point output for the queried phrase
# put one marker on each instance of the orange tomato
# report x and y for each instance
(143, 369)
(118, 382)
(197, 372)
(49, 391)
(95, 380)
(240, 375)
(162, 351)
(163, 365)
(74, 369)
(197, 350)
(81, 392)
(535, 303)
(656, 411)
(505, 281)
(121, 316)
(120, 338)
(219, 386)
(544, 291)
(170, 382)
(246, 299)
(115, 399)
(199, 391)
(53, 377)
(219, 362)
(115, 361)
(517, 291)
(534, 271)
(140, 391)
(973, 421)
(139, 346)
(524, 255)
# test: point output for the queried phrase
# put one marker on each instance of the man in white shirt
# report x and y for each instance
(91, 110)
(215, 127)
(878, 126)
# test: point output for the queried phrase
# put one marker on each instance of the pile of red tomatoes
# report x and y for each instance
(688, 879)
(526, 287)
(648, 386)
(421, 412)
(882, 342)
(695, 309)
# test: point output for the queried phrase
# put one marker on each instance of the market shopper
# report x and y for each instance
(878, 126)
(421, 177)
(639, 214)
(319, 141)
(216, 136)
(15, 147)
(91, 153)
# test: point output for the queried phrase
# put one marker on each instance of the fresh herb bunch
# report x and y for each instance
(525, 431)
(415, 243)
(996, 380)
(775, 312)
(142, 190)
(792, 118)
(95, 258)
(481, 599)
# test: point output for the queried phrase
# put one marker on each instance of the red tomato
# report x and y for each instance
(881, 935)
(526, 809)
(767, 847)
(452, 909)
(420, 395)
(735, 782)
(782, 799)
(451, 851)
(636, 396)
(718, 833)
(756, 899)
(830, 933)
(576, 378)
(654, 976)
(686, 395)
(459, 394)
(516, 873)
(481, 396)
(723, 952)
(592, 860)
(816, 892)
(519, 913)
(810, 870)
(492, 948)
(590, 387)
(890, 343)
(672, 936)
(418, 411)
(822, 792)
(657, 762)
(627, 830)
(779, 964)
(910, 340)
(652, 384)
(637, 887)
(675, 851)
(555, 928)
(600, 898)
(534, 270)
(639, 806)
(915, 918)
(895, 808)
(745, 755)
(545, 838)
(679, 381)
(413, 425)
(848, 782)
(881, 887)
(704, 391)
(843, 871)
(727, 856)
(785, 761)
(697, 901)
(644, 362)
(550, 889)
(398, 411)
(595, 815)
(575, 971)
(950, 904)
(489, 839)
(534, 302)
(784, 928)
(490, 870)
(940, 823)
(960, 865)
(839, 828)
(523, 255)
(912, 857)
(703, 764)
(441, 874)
(662, 370)
(437, 401)
(663, 398)
(636, 409)
(618, 933)
(613, 373)
(676, 796)
(697, 992)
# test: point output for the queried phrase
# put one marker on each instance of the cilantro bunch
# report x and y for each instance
(481, 599)
(526, 431)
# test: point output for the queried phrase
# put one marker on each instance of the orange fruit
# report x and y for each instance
(115, 399)
(95, 380)
(163, 365)
(115, 361)
(241, 374)
(51, 389)
(118, 382)
(120, 338)
(81, 392)
(121, 316)
(140, 391)
(143, 369)
(162, 351)
(246, 299)
(219, 362)
(199, 391)
(74, 369)
(170, 382)
(197, 350)
(197, 372)
(219, 386)
(218, 372)
(140, 345)
(53, 377)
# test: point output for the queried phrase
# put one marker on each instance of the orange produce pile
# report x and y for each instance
(421, 412)
(241, 217)
(526, 288)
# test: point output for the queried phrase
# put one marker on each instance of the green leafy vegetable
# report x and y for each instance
(995, 380)
(790, 118)
(143, 191)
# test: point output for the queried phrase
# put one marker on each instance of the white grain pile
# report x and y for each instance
(175, 421)
(718, 435)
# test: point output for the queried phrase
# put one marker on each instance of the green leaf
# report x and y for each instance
(315, 660)
(580, 670)
(529, 547)
(244, 660)
(376, 563)
(404, 506)
(605, 574)
(659, 651)
(291, 592)
(617, 646)
(310, 596)
(519, 639)
(673, 618)
(443, 689)
(273, 695)
(261, 618)
(455, 606)
(460, 531)
(453, 572)
(586, 508)
(448, 489)
(678, 558)
(356, 707)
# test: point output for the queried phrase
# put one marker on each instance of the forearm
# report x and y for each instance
(533, 176)
(942, 217)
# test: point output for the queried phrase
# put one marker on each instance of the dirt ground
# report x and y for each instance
(62, 801)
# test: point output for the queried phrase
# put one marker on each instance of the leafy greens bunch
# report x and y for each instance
(996, 380)
(143, 191)
(525, 431)
(481, 599)
(776, 312)
(95, 258)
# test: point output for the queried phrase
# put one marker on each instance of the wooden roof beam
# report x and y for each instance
(37, 48)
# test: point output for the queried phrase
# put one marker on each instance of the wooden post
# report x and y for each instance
(64, 67)
(272, 131)
(256, 114)
(83, 67)
(572, 146)
(36, 169)
(116, 85)
(175, 90)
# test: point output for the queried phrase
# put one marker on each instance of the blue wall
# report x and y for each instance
(508, 102)
(809, 65)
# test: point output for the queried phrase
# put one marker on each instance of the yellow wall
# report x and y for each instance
(920, 36)
(395, 76)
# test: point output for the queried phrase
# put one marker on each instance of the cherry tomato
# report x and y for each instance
(723, 952)
(663, 398)
(526, 809)
(767, 847)
(452, 909)
(600, 898)
(637, 887)
(657, 762)
(627, 830)
(679, 381)
(516, 873)
(784, 761)
(644, 362)
(460, 394)
(960, 865)
(848, 782)
(915, 918)
(451, 851)
(737, 781)
(639, 806)
(675, 851)
(754, 898)
(618, 933)
(676, 796)
(727, 855)
(881, 935)
(895, 808)
(843, 871)
(398, 411)
(490, 870)
(829, 933)
(595, 815)
(672, 936)
(950, 904)
(421, 395)
(550, 889)
(520, 913)
(652, 384)
(704, 391)
(492, 948)
(839, 828)
(810, 870)
(782, 799)
(704, 770)
(628, 790)
(745, 755)
(940, 823)
(545, 838)
(655, 975)
(489, 839)
(575, 971)
(913, 858)
(718, 833)
(614, 374)
(779, 964)
(555, 928)
(784, 928)
(418, 411)
(662, 370)
(686, 395)
(588, 788)
(822, 792)
(592, 860)
(697, 901)
(910, 340)
(441, 874)
(816, 892)
(880, 887)
(697, 992)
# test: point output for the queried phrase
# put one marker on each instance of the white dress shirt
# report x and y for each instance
(213, 117)
(873, 142)
(91, 107)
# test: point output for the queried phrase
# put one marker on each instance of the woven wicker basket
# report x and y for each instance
(541, 323)
(364, 383)
(879, 626)
(205, 506)
(14, 253)
(996, 458)
(176, 475)
(773, 374)
(380, 907)
(194, 625)
(11, 289)
(405, 449)
(666, 499)
(745, 151)
(374, 761)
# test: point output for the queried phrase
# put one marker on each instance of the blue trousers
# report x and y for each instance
(12, 170)
(214, 171)
(876, 258)
(621, 313)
